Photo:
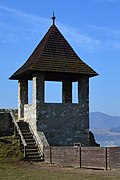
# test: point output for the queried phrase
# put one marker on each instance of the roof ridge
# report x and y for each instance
(42, 43)
(28, 62)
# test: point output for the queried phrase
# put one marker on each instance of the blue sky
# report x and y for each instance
(92, 27)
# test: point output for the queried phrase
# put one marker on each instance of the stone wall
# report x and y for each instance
(59, 124)
(63, 124)
(30, 117)
(6, 125)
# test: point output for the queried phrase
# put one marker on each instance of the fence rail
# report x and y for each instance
(84, 157)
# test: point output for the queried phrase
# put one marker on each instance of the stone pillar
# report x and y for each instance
(38, 92)
(22, 97)
(67, 91)
(83, 100)
(83, 93)
(38, 88)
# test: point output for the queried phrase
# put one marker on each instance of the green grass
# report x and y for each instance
(9, 149)
(41, 171)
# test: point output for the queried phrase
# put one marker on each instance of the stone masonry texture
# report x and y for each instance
(6, 125)
(22, 97)
(61, 124)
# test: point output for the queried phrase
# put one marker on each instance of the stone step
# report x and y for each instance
(34, 158)
(25, 130)
(26, 134)
(32, 153)
(32, 147)
(23, 126)
(31, 144)
(22, 122)
(32, 150)
(27, 137)
(29, 140)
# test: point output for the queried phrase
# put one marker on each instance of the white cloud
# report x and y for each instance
(20, 25)
(115, 33)
(110, 37)
(79, 38)
(31, 24)
(28, 27)
(24, 15)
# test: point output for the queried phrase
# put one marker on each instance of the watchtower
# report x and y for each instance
(55, 123)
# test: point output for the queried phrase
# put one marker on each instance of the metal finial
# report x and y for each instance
(53, 18)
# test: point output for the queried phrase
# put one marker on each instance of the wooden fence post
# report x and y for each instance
(106, 158)
(50, 155)
(80, 155)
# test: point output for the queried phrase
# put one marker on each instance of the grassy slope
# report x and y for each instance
(9, 149)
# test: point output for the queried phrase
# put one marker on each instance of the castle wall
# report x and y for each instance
(62, 124)
(30, 117)
(6, 125)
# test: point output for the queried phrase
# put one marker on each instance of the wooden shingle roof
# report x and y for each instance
(53, 55)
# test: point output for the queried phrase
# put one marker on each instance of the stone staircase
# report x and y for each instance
(32, 150)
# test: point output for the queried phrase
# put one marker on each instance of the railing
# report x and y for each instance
(37, 143)
(22, 140)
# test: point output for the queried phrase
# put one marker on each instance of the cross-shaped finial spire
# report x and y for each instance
(53, 18)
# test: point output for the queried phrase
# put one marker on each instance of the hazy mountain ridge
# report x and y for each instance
(101, 120)
(106, 128)
(117, 130)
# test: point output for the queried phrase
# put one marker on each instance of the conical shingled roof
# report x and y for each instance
(54, 55)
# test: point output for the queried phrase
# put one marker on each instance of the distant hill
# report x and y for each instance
(116, 130)
(103, 121)
(106, 128)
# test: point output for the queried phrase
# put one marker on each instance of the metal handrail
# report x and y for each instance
(37, 143)
(19, 132)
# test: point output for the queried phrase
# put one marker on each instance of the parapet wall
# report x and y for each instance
(63, 124)
(84, 157)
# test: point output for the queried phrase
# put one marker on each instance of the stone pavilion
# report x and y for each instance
(56, 124)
